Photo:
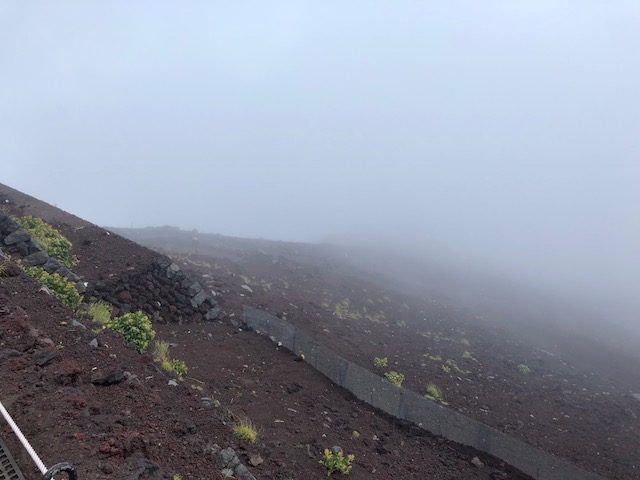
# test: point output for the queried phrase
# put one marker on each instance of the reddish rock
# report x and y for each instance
(125, 297)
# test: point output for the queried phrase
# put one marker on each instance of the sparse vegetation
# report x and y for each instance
(376, 317)
(342, 310)
(434, 394)
(380, 362)
(169, 365)
(50, 239)
(61, 287)
(452, 364)
(467, 356)
(161, 351)
(245, 430)
(522, 368)
(4, 268)
(394, 378)
(446, 369)
(337, 462)
(136, 329)
(355, 435)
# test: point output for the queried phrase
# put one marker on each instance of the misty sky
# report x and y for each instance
(506, 130)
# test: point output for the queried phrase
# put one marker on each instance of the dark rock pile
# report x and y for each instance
(162, 290)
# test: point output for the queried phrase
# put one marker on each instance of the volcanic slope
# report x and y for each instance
(559, 395)
(113, 413)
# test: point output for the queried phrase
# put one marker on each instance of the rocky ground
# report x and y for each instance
(114, 414)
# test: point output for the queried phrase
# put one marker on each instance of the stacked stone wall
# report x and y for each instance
(161, 290)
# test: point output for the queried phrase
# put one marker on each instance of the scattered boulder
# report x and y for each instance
(232, 467)
(46, 358)
(99, 378)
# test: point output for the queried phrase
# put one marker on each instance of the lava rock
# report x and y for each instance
(45, 358)
(98, 378)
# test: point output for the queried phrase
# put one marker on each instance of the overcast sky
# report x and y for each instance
(505, 130)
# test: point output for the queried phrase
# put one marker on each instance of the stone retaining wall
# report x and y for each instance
(163, 290)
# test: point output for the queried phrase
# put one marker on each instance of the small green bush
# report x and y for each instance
(337, 462)
(380, 362)
(100, 312)
(179, 367)
(135, 328)
(395, 378)
(61, 287)
(522, 368)
(50, 239)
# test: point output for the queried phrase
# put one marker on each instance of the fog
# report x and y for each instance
(503, 135)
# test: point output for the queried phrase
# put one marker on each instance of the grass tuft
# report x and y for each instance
(245, 430)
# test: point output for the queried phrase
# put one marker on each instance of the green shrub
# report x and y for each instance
(100, 312)
(135, 328)
(61, 287)
(395, 378)
(380, 362)
(50, 239)
(179, 367)
(522, 368)
(337, 462)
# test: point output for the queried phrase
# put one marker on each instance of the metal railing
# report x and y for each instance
(47, 474)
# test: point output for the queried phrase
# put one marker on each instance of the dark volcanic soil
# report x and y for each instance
(584, 414)
(576, 414)
(112, 413)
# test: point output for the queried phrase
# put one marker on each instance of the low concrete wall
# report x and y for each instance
(408, 405)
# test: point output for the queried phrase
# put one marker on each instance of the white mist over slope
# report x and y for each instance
(502, 132)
